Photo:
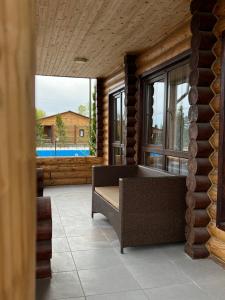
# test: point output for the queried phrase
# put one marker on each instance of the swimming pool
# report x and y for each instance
(62, 152)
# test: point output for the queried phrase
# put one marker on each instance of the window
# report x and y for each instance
(117, 123)
(81, 132)
(166, 124)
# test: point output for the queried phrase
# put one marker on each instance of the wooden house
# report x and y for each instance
(158, 64)
(76, 127)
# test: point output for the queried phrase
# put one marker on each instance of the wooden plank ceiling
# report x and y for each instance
(101, 31)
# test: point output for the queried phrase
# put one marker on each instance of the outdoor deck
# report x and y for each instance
(87, 263)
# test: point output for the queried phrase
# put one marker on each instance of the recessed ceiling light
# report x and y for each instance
(80, 60)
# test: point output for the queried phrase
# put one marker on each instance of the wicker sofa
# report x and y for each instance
(144, 205)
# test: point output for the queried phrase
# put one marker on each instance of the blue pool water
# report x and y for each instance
(69, 152)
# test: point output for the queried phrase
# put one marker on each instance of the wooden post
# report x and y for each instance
(99, 121)
(17, 152)
(130, 108)
(200, 114)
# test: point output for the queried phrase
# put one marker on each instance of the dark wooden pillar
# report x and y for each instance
(99, 118)
(130, 109)
(200, 114)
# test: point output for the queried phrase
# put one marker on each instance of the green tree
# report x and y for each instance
(40, 113)
(60, 129)
(39, 128)
(83, 109)
(92, 133)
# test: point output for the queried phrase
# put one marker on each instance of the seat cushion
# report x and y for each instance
(110, 194)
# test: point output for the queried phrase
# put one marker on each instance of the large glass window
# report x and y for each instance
(166, 105)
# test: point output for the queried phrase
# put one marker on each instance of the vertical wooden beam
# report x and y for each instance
(130, 108)
(99, 121)
(200, 114)
(17, 152)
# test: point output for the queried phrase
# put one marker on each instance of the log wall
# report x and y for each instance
(67, 170)
(200, 114)
(216, 244)
(17, 152)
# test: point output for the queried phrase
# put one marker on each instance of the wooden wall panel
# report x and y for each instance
(216, 244)
(174, 44)
(17, 152)
(67, 170)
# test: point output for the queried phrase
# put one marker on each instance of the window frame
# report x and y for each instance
(113, 144)
(149, 78)
(81, 130)
(220, 218)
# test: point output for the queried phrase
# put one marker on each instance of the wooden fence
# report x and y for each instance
(67, 170)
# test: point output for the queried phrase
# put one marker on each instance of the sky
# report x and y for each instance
(59, 94)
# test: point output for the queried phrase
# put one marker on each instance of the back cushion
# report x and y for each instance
(148, 172)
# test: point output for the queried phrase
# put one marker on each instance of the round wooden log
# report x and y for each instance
(44, 208)
(199, 166)
(130, 152)
(214, 159)
(216, 232)
(43, 269)
(200, 131)
(44, 230)
(202, 40)
(216, 67)
(44, 250)
(213, 176)
(216, 247)
(202, 6)
(216, 85)
(215, 122)
(213, 193)
(197, 235)
(215, 140)
(131, 141)
(196, 251)
(198, 183)
(200, 148)
(197, 200)
(130, 131)
(131, 91)
(201, 77)
(202, 59)
(130, 161)
(215, 103)
(197, 217)
(200, 95)
(131, 100)
(203, 21)
(131, 111)
(200, 113)
(131, 121)
(212, 211)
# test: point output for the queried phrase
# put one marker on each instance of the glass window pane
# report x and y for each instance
(184, 166)
(178, 106)
(155, 112)
(154, 160)
(117, 118)
(123, 118)
(117, 156)
(173, 165)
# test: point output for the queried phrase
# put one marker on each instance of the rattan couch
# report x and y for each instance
(144, 205)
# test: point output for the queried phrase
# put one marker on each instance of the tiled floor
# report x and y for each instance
(87, 263)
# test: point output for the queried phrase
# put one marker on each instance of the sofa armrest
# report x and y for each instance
(109, 175)
(151, 194)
